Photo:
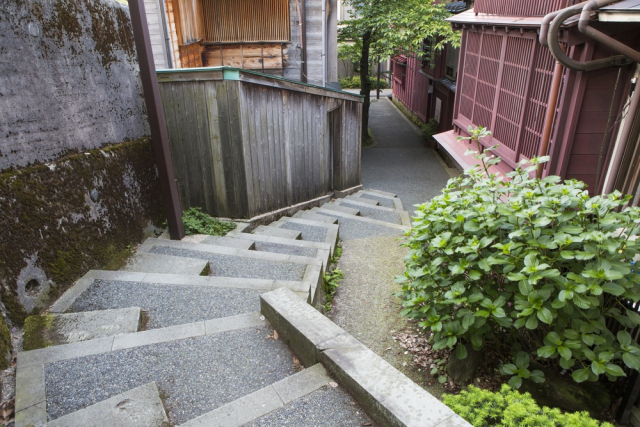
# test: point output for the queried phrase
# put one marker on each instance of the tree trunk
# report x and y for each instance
(365, 88)
(378, 83)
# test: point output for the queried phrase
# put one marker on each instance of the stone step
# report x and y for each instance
(384, 199)
(379, 193)
(230, 242)
(362, 200)
(378, 212)
(261, 402)
(314, 217)
(169, 299)
(266, 230)
(211, 362)
(158, 263)
(314, 231)
(335, 207)
(138, 407)
(56, 329)
(343, 216)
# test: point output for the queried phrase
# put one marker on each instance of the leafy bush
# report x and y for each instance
(197, 222)
(526, 268)
(354, 82)
(510, 408)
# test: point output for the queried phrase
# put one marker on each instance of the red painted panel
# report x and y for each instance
(587, 143)
(593, 121)
(582, 164)
(520, 7)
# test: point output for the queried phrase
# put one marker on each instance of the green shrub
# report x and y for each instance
(354, 82)
(528, 268)
(197, 222)
(509, 408)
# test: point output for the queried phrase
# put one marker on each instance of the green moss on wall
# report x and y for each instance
(77, 215)
(35, 328)
(5, 343)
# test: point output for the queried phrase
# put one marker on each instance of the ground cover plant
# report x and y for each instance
(509, 408)
(197, 222)
(533, 270)
(354, 82)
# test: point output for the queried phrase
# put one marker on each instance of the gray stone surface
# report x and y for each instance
(309, 232)
(168, 305)
(276, 232)
(194, 375)
(366, 200)
(382, 201)
(315, 217)
(159, 263)
(374, 213)
(138, 407)
(400, 162)
(345, 209)
(233, 266)
(357, 229)
(226, 241)
(326, 407)
(286, 249)
(73, 327)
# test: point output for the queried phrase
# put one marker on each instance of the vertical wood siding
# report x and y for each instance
(520, 7)
(246, 20)
(242, 149)
(410, 86)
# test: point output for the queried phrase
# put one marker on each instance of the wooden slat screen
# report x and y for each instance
(190, 21)
(520, 7)
(246, 20)
(504, 86)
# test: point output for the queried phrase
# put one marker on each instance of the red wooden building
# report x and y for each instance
(504, 84)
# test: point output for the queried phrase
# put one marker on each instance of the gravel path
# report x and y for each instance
(400, 162)
(228, 265)
(168, 305)
(326, 407)
(195, 375)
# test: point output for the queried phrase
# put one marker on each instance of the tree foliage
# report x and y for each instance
(531, 268)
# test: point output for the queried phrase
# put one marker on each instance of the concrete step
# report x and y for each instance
(314, 217)
(56, 329)
(379, 193)
(377, 212)
(335, 207)
(266, 230)
(158, 263)
(170, 300)
(362, 200)
(232, 262)
(385, 199)
(139, 407)
(227, 241)
(314, 231)
(197, 367)
(344, 216)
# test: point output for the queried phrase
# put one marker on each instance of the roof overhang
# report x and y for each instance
(481, 19)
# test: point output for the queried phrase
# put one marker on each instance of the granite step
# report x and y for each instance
(266, 230)
(385, 199)
(58, 329)
(361, 200)
(158, 263)
(314, 217)
(377, 212)
(197, 367)
(314, 231)
(344, 216)
(343, 209)
(170, 299)
(307, 398)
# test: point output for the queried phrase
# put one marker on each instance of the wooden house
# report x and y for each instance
(294, 39)
(425, 81)
(504, 83)
(245, 144)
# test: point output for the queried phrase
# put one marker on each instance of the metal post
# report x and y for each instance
(157, 123)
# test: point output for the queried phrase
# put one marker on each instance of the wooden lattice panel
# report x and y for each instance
(488, 71)
(469, 74)
(246, 20)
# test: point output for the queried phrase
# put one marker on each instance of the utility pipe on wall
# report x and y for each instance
(165, 31)
(324, 43)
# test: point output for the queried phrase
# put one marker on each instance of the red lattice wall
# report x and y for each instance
(520, 7)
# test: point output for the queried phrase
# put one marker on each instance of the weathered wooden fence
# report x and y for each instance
(244, 144)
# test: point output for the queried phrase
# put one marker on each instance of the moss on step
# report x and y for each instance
(37, 331)
(5, 343)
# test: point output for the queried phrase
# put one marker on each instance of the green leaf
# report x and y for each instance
(614, 370)
(532, 323)
(515, 382)
(547, 351)
(545, 316)
(461, 352)
(564, 352)
(624, 338)
(613, 289)
(580, 375)
(631, 360)
(508, 369)
(537, 376)
(522, 359)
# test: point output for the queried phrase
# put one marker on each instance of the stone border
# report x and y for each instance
(269, 217)
(389, 397)
(261, 402)
(30, 403)
(361, 218)
(339, 194)
(404, 215)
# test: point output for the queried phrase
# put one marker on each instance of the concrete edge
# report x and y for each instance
(268, 230)
(380, 193)
(272, 216)
(339, 194)
(342, 202)
(265, 400)
(361, 218)
(357, 198)
(389, 397)
(336, 206)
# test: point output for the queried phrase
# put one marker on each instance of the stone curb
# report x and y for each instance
(389, 397)
(339, 194)
(315, 217)
(263, 401)
(361, 218)
(404, 215)
(69, 297)
(30, 403)
(365, 200)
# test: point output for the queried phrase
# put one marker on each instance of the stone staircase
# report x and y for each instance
(220, 331)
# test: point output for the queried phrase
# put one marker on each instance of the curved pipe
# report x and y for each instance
(546, 21)
(556, 51)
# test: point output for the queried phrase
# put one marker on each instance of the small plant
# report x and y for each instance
(528, 268)
(197, 222)
(332, 280)
(509, 408)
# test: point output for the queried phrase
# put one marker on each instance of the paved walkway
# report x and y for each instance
(400, 162)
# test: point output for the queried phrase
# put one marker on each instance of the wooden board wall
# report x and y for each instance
(254, 56)
(242, 149)
(245, 20)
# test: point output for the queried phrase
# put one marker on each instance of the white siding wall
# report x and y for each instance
(158, 46)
